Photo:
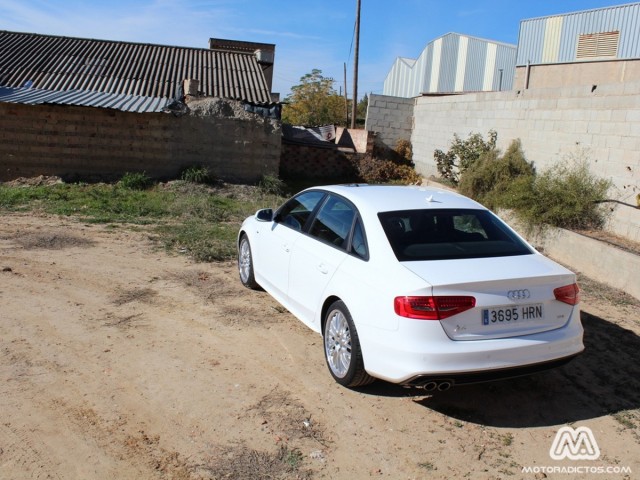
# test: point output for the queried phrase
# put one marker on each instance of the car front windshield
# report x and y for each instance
(446, 234)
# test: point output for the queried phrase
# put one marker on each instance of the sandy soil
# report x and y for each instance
(118, 360)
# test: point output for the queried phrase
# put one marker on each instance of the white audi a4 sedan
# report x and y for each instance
(417, 286)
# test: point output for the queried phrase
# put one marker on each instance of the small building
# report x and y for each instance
(86, 108)
(453, 63)
(589, 47)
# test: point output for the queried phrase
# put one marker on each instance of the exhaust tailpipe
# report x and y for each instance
(444, 386)
(429, 386)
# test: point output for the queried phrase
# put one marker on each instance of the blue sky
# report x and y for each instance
(307, 34)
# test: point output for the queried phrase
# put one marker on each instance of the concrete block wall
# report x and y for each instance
(102, 144)
(311, 161)
(390, 117)
(601, 125)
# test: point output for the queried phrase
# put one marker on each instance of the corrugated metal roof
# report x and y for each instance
(127, 69)
(125, 103)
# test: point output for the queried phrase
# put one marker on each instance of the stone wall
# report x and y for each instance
(102, 144)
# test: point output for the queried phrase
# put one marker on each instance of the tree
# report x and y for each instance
(314, 102)
(362, 109)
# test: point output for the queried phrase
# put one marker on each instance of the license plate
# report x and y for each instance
(512, 314)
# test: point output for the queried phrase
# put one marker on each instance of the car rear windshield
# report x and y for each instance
(444, 234)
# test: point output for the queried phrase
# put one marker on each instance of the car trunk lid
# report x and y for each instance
(514, 296)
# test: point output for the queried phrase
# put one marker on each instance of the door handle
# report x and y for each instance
(323, 268)
(286, 247)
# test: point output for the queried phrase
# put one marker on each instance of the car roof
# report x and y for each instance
(385, 198)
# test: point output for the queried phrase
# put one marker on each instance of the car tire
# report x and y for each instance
(342, 348)
(245, 264)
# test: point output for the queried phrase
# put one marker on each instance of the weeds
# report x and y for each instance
(389, 165)
(271, 185)
(197, 174)
(135, 181)
(189, 218)
(566, 195)
(243, 462)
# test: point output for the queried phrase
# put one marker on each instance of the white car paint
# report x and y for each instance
(305, 274)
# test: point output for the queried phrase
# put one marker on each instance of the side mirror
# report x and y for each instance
(264, 215)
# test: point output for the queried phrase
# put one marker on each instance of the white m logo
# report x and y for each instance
(574, 444)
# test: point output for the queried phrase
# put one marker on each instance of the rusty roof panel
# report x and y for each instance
(122, 68)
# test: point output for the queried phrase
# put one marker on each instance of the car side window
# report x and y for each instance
(333, 222)
(358, 243)
(296, 211)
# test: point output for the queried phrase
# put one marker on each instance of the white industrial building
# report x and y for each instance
(453, 63)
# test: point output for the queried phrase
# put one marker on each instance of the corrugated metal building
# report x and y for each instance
(125, 69)
(584, 47)
(453, 63)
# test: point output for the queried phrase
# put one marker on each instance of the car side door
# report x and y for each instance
(273, 253)
(317, 255)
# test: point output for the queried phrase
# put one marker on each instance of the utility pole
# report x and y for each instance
(346, 99)
(354, 107)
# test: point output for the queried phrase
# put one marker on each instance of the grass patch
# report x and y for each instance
(244, 462)
(198, 220)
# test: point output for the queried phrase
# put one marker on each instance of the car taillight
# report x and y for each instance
(432, 308)
(568, 294)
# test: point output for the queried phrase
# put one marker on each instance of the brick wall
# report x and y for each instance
(302, 162)
(96, 143)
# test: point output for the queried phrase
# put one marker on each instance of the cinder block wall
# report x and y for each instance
(102, 144)
(390, 117)
(554, 125)
(310, 161)
(601, 125)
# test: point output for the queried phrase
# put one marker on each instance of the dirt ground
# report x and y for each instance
(120, 361)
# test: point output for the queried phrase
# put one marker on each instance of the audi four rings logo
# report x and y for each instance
(518, 294)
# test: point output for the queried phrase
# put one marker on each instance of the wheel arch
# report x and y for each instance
(241, 233)
(325, 308)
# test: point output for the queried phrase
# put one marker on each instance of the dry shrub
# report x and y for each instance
(389, 166)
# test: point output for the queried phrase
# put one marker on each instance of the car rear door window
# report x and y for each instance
(333, 222)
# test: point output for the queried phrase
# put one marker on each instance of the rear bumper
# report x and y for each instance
(422, 381)
(422, 351)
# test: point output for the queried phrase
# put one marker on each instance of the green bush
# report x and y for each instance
(462, 155)
(135, 181)
(490, 177)
(567, 195)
